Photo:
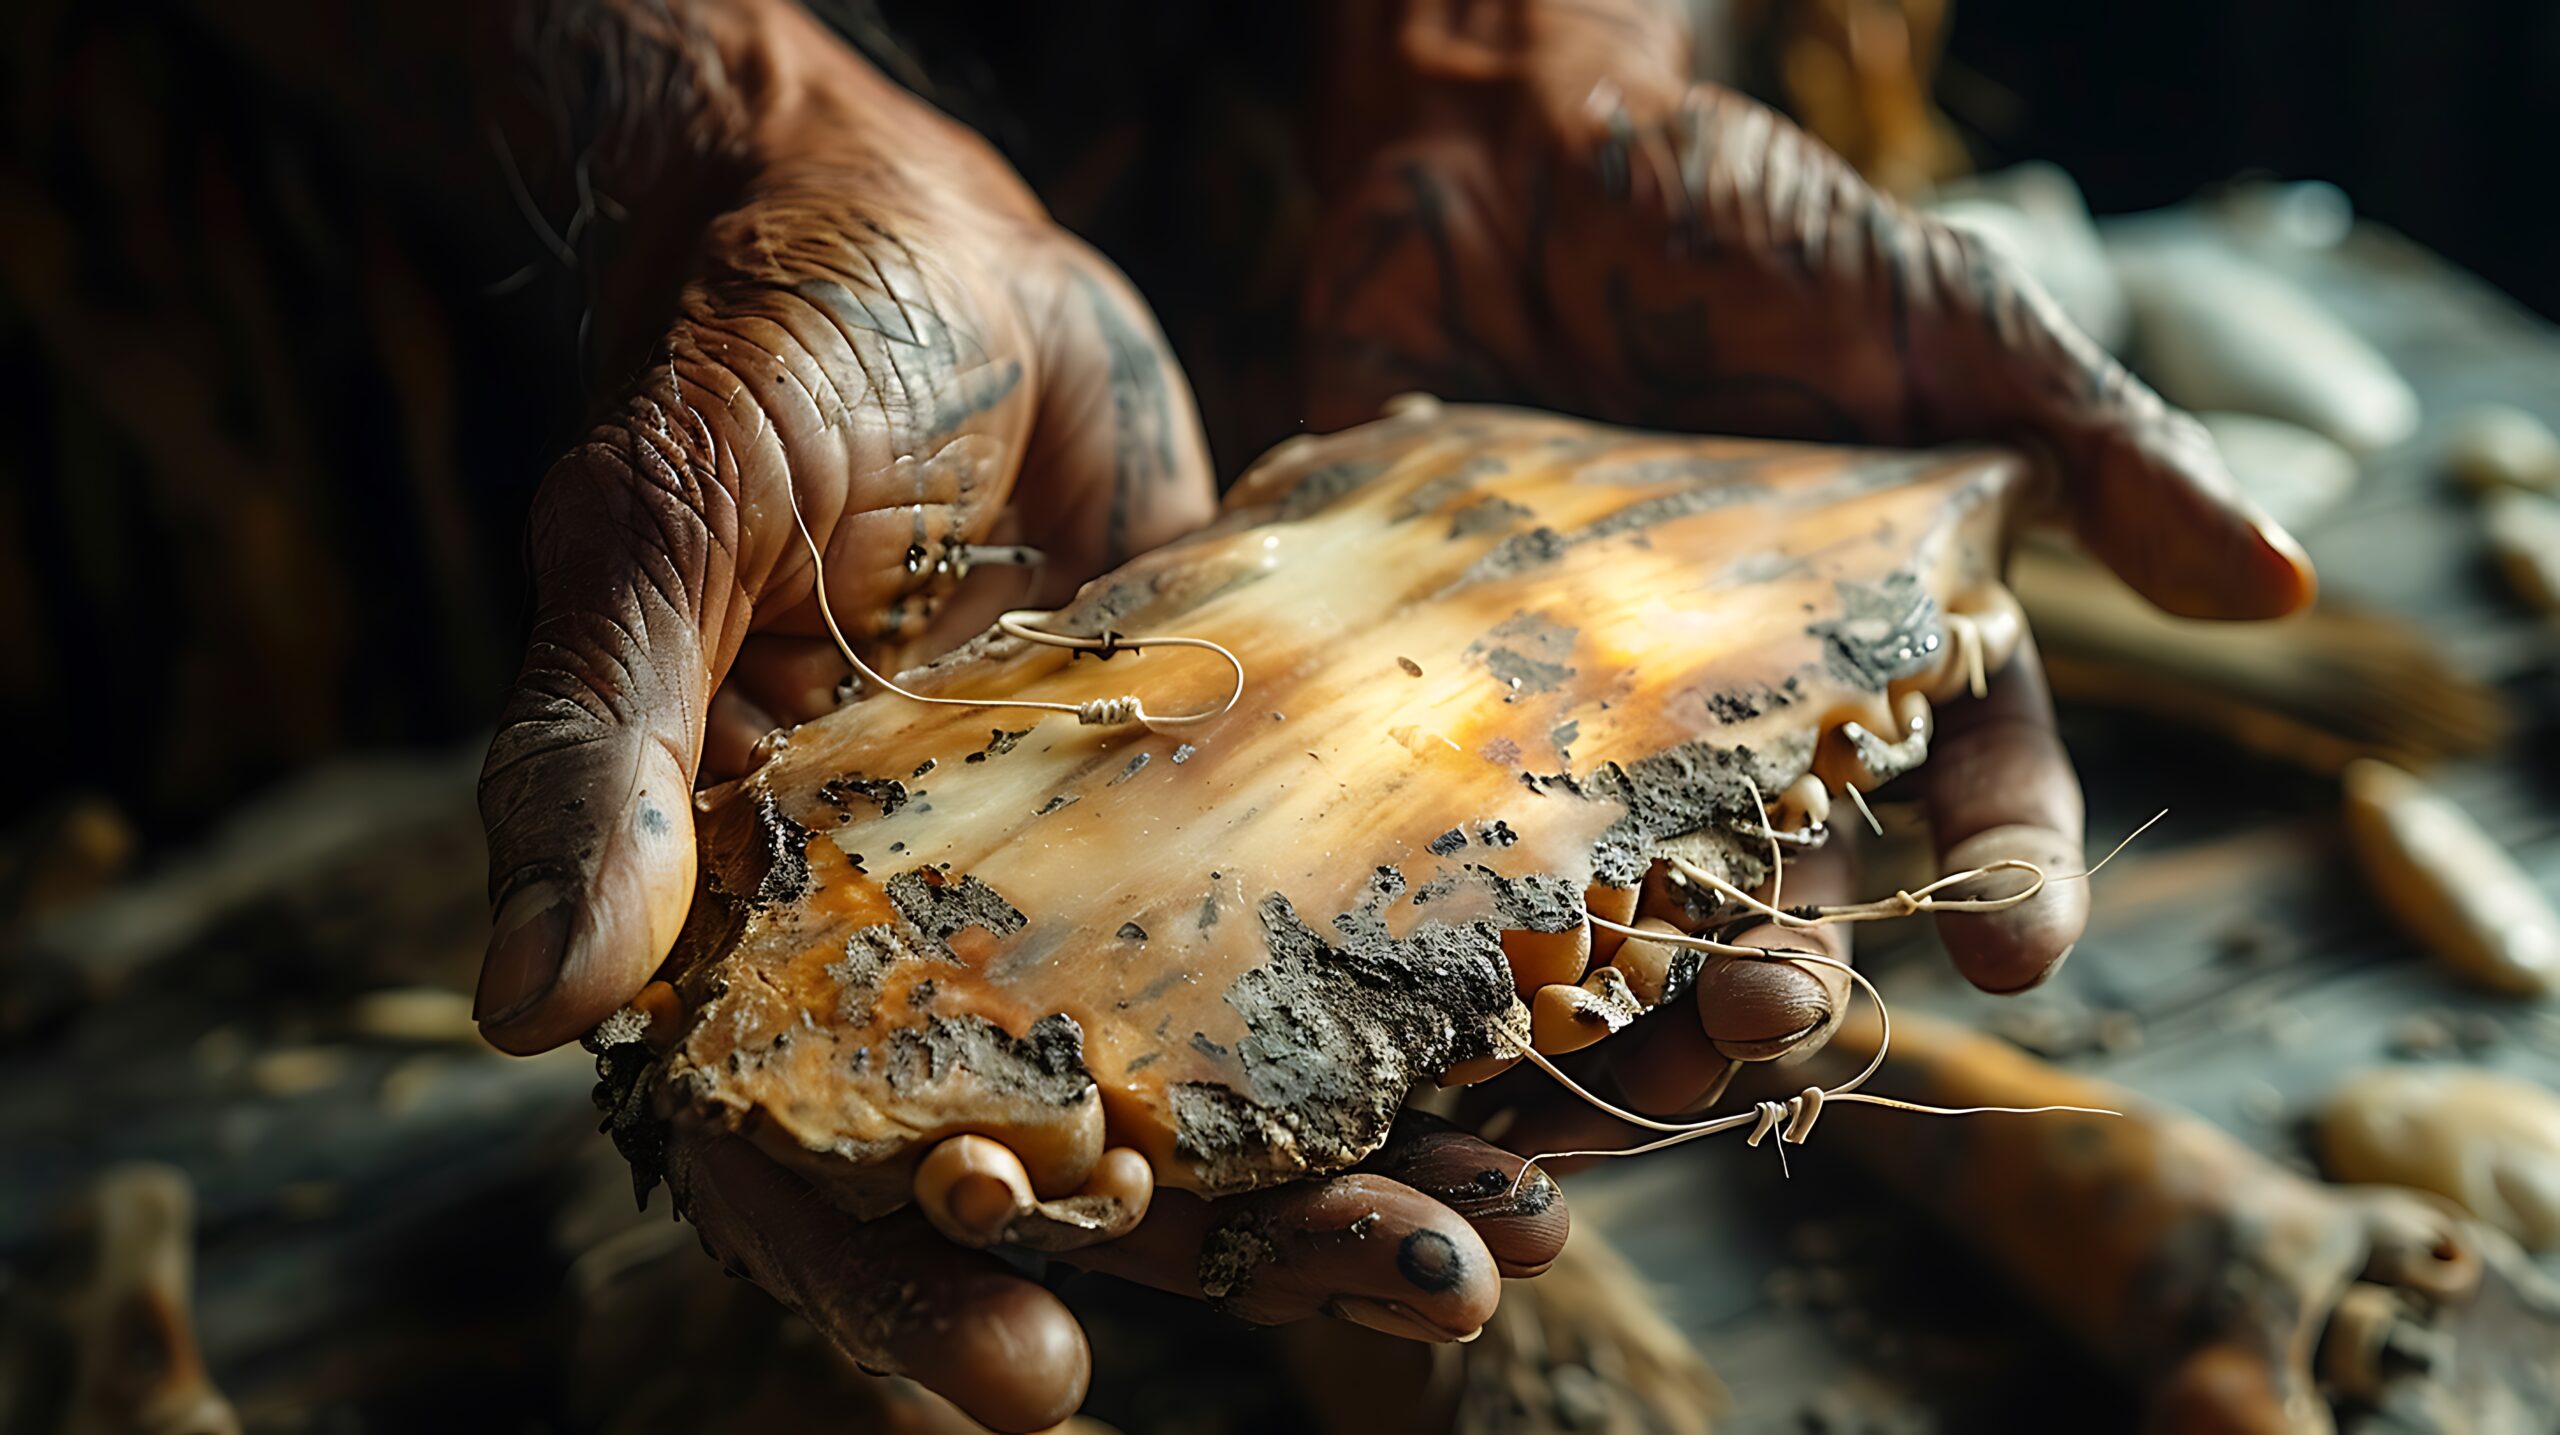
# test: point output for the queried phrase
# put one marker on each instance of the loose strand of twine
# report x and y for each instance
(1098, 712)
(1906, 903)
(1792, 1120)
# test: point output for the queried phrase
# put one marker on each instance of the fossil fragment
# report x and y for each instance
(1234, 963)
(2237, 1295)
(2492, 446)
(2215, 329)
(135, 1341)
(2524, 535)
(2449, 885)
(2318, 690)
(2488, 1143)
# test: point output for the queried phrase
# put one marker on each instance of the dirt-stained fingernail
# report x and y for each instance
(1393, 1318)
(1522, 1219)
(530, 937)
(1759, 1009)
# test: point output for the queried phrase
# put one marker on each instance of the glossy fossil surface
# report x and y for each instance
(1493, 659)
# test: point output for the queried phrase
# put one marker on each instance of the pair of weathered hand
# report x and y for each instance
(871, 315)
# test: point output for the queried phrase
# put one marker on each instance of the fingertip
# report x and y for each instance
(1521, 1217)
(564, 957)
(2291, 583)
(2268, 575)
(528, 937)
(2009, 952)
(1758, 1009)
(1361, 1247)
(889, 1294)
(2020, 948)
(1014, 1359)
(2165, 513)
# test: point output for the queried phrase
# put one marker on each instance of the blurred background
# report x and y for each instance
(276, 424)
(273, 425)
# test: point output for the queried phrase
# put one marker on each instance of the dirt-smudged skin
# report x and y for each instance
(1492, 656)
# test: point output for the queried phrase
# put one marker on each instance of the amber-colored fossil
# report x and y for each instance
(1498, 665)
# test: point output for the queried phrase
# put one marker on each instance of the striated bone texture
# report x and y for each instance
(1493, 658)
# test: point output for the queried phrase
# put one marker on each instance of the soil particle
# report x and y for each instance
(999, 742)
(786, 876)
(1696, 787)
(937, 909)
(1044, 1064)
(886, 793)
(1234, 1253)
(1513, 556)
(1527, 653)
(1524, 552)
(1488, 515)
(1322, 486)
(1337, 1029)
(1885, 630)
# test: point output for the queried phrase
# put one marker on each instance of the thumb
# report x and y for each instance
(1118, 464)
(586, 794)
(2145, 488)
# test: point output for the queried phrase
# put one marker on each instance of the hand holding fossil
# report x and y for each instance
(1541, 203)
(868, 325)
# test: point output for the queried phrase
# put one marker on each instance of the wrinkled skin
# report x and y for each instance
(1536, 202)
(882, 327)
(828, 292)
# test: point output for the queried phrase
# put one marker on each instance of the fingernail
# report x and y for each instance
(984, 1206)
(2042, 975)
(1390, 1318)
(524, 955)
(1757, 1010)
(1521, 1218)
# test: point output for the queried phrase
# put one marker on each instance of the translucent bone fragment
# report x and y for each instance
(2449, 885)
(139, 1368)
(2524, 536)
(2215, 329)
(976, 1192)
(2488, 1143)
(923, 922)
(1563, 1018)
(2489, 446)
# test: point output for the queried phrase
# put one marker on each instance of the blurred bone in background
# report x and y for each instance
(273, 424)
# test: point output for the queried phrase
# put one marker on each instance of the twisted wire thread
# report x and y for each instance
(1119, 711)
(1793, 1119)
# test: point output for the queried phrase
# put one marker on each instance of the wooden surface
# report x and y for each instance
(2234, 967)
(388, 1218)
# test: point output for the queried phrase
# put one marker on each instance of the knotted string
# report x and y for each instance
(1097, 712)
(1793, 1119)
